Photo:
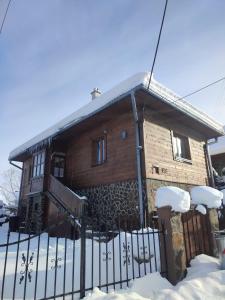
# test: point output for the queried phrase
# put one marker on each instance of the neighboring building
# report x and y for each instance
(217, 152)
(116, 150)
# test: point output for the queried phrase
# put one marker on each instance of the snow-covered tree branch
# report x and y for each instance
(10, 185)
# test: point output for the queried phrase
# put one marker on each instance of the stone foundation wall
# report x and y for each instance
(109, 202)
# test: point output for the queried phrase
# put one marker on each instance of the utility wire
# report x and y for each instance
(201, 89)
(192, 93)
(4, 18)
(157, 46)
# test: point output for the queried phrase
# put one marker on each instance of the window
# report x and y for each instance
(38, 164)
(59, 166)
(181, 147)
(99, 151)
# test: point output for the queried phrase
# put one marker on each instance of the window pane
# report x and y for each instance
(178, 143)
(39, 158)
(98, 152)
(35, 160)
(34, 171)
(103, 150)
(61, 172)
(181, 147)
(56, 172)
(38, 170)
(42, 169)
(43, 157)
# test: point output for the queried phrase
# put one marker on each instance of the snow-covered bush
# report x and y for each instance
(173, 196)
(206, 195)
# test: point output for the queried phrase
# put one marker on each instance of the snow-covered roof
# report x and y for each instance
(218, 147)
(114, 95)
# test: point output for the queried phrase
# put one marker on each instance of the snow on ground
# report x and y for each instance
(204, 281)
(129, 254)
(177, 198)
(206, 195)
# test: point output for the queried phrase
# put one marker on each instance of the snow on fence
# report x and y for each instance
(44, 267)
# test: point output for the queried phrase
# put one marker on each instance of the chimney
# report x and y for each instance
(95, 93)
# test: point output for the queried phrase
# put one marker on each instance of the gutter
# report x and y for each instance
(139, 148)
(11, 163)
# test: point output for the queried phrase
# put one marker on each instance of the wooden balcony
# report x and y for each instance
(66, 198)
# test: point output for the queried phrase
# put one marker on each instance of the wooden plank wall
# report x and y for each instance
(121, 160)
(159, 152)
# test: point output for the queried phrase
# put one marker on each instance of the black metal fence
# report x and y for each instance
(39, 266)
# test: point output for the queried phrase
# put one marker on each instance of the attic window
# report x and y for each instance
(181, 147)
(99, 151)
(38, 164)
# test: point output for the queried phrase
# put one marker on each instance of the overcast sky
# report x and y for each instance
(53, 52)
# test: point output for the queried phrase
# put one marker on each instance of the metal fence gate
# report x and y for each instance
(39, 266)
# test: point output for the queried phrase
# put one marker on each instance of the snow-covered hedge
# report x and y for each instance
(177, 198)
(206, 195)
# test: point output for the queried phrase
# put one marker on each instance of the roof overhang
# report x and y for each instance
(122, 91)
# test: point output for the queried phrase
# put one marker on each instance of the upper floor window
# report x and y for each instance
(99, 151)
(38, 164)
(181, 147)
(59, 166)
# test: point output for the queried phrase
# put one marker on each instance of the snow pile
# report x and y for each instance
(201, 208)
(173, 196)
(204, 281)
(219, 146)
(127, 255)
(206, 195)
(223, 191)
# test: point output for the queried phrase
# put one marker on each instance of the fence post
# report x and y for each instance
(172, 245)
(213, 225)
(83, 255)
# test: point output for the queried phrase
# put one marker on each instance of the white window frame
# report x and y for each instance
(38, 164)
(177, 139)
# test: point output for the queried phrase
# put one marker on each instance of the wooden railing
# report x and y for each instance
(68, 199)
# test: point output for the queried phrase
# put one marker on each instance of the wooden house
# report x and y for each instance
(217, 152)
(116, 151)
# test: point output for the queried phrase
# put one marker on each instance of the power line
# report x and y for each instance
(200, 89)
(192, 93)
(4, 18)
(157, 46)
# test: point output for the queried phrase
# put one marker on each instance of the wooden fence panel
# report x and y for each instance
(196, 233)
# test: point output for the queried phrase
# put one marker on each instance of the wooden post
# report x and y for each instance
(172, 244)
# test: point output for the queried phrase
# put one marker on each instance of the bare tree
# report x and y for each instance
(10, 185)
